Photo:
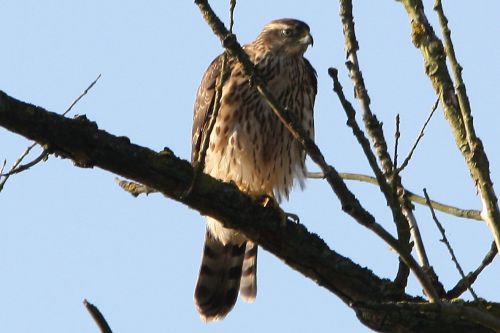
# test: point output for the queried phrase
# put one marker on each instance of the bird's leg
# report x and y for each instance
(197, 170)
(268, 200)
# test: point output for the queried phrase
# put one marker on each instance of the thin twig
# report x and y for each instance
(397, 135)
(417, 238)
(447, 243)
(382, 180)
(16, 168)
(471, 214)
(81, 95)
(232, 4)
(410, 217)
(419, 137)
(349, 202)
(98, 317)
(464, 283)
(44, 154)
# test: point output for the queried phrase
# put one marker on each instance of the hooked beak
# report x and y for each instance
(307, 40)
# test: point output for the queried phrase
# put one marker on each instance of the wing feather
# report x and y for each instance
(312, 77)
(204, 104)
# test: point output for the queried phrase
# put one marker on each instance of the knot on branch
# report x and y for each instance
(418, 33)
(84, 120)
(229, 41)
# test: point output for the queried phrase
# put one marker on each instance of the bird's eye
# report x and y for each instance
(287, 32)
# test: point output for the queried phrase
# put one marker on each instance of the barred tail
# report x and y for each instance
(219, 279)
(248, 285)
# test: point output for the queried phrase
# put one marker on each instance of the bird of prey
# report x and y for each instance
(250, 147)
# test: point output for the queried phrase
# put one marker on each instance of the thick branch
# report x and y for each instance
(81, 141)
(456, 110)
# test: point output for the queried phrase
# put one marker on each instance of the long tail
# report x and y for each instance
(248, 284)
(219, 280)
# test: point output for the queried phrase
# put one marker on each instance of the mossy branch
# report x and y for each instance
(456, 109)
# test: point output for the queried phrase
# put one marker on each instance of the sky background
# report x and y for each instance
(68, 233)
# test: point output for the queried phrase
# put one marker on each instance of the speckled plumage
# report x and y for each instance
(250, 147)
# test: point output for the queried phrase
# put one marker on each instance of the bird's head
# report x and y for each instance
(286, 36)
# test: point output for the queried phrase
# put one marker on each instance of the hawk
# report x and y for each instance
(250, 147)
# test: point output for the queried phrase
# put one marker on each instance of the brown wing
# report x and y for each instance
(311, 86)
(311, 78)
(203, 105)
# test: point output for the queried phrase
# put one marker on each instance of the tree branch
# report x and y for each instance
(87, 146)
(389, 181)
(457, 113)
(455, 211)
(98, 317)
(419, 137)
(470, 278)
(448, 245)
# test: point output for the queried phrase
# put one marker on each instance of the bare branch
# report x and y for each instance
(16, 168)
(81, 95)
(417, 238)
(393, 191)
(86, 145)
(81, 140)
(397, 135)
(475, 156)
(26, 166)
(403, 311)
(419, 137)
(456, 109)
(97, 316)
(232, 4)
(448, 245)
(462, 285)
(451, 210)
(403, 270)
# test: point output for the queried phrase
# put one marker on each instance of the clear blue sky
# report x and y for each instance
(68, 233)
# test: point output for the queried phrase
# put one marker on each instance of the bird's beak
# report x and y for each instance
(307, 39)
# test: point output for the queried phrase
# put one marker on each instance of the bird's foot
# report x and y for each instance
(269, 201)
